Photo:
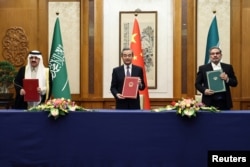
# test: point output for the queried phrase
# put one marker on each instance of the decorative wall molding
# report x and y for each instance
(15, 46)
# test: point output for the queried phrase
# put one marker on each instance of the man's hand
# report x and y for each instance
(224, 77)
(39, 90)
(22, 92)
(209, 92)
(119, 96)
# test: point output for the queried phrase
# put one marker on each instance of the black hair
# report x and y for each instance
(215, 47)
(124, 49)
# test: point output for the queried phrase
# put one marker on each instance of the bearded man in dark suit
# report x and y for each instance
(118, 76)
(221, 100)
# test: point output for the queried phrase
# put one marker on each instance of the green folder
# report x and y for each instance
(215, 83)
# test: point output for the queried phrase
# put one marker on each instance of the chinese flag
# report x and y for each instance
(138, 60)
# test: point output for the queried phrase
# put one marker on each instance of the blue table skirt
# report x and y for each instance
(118, 138)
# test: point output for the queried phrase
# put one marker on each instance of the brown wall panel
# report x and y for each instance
(28, 15)
(245, 51)
(177, 78)
(235, 51)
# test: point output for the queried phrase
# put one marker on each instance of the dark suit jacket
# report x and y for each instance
(118, 76)
(201, 83)
(18, 82)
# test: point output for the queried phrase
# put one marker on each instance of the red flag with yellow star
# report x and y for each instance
(138, 60)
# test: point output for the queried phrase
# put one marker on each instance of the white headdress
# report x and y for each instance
(40, 69)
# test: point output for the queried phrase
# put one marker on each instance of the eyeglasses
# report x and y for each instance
(214, 53)
(127, 55)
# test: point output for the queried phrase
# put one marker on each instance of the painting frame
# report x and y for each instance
(148, 28)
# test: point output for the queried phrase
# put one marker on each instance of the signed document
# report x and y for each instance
(215, 83)
(130, 87)
(30, 87)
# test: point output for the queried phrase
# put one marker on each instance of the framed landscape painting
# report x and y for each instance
(148, 28)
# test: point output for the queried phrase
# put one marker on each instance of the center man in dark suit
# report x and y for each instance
(221, 100)
(118, 76)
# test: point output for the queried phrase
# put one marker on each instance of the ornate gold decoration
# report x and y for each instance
(15, 46)
(130, 84)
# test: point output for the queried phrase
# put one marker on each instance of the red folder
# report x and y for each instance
(130, 87)
(30, 86)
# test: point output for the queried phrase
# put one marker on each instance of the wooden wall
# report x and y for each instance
(32, 16)
(241, 50)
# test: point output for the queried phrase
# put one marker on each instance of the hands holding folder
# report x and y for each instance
(31, 90)
(130, 88)
(216, 82)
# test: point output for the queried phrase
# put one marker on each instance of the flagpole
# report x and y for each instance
(57, 65)
(136, 46)
(212, 37)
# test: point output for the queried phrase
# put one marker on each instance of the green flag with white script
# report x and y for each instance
(57, 65)
(212, 38)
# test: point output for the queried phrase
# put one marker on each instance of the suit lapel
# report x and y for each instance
(223, 67)
(133, 70)
(210, 67)
(122, 70)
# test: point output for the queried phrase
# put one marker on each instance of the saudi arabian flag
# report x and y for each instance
(57, 65)
(212, 38)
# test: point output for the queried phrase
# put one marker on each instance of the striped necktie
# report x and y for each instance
(128, 72)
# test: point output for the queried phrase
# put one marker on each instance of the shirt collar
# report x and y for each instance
(125, 66)
(216, 66)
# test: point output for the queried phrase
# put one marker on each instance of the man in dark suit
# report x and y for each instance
(118, 77)
(221, 100)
